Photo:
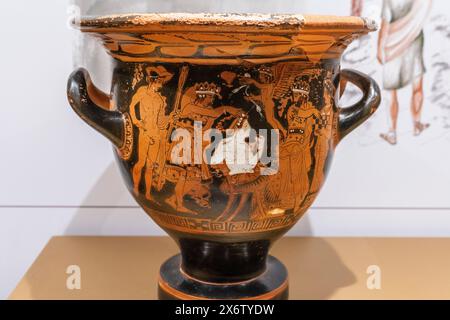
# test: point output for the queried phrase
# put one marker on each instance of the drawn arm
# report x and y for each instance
(386, 17)
(222, 110)
(308, 113)
(357, 6)
(250, 81)
(382, 36)
(191, 109)
(207, 112)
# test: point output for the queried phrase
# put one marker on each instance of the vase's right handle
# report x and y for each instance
(351, 117)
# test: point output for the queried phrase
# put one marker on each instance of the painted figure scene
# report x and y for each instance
(294, 108)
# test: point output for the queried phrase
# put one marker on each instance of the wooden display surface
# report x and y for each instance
(319, 268)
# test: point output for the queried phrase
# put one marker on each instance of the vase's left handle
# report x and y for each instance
(86, 100)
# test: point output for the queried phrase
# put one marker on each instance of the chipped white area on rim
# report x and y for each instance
(370, 24)
(279, 22)
(204, 18)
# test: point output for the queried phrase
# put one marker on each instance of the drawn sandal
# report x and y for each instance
(419, 127)
(390, 137)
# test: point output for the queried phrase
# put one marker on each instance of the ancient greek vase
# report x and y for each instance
(224, 127)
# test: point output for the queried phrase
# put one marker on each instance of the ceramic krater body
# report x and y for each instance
(224, 128)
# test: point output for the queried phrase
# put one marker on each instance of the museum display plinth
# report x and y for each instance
(319, 268)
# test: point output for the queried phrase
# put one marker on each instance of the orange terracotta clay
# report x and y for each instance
(179, 76)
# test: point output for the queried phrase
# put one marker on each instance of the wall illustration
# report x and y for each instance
(400, 51)
(409, 57)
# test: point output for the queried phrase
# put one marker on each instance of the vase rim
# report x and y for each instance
(236, 22)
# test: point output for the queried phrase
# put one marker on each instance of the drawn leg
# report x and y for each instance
(417, 106)
(152, 160)
(140, 164)
(149, 179)
(391, 136)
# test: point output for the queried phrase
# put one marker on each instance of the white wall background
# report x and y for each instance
(58, 176)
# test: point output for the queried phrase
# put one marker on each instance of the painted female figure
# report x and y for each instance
(295, 158)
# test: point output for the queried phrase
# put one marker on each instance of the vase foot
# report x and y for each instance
(174, 284)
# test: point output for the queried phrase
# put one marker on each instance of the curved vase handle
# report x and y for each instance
(351, 117)
(86, 100)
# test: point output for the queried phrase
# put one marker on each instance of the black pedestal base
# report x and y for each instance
(174, 284)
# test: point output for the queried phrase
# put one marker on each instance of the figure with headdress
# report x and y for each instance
(295, 156)
(151, 124)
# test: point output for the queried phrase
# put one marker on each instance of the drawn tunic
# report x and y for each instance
(404, 45)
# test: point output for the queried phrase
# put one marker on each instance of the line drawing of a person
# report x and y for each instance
(400, 51)
(152, 124)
